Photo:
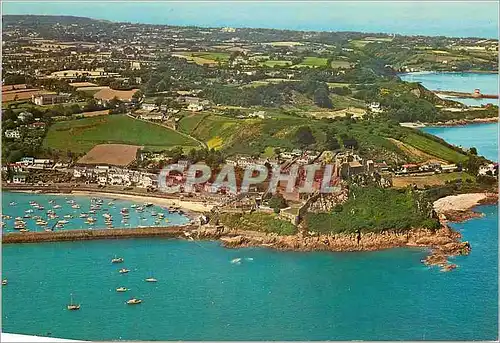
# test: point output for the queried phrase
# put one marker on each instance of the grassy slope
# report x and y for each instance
(82, 135)
(263, 222)
(434, 148)
(250, 136)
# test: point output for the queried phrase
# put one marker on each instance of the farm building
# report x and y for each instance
(49, 99)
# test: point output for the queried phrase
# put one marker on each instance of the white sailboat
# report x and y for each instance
(71, 306)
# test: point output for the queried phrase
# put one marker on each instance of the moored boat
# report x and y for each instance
(121, 289)
(117, 260)
(134, 301)
(71, 306)
(123, 271)
(151, 279)
(4, 282)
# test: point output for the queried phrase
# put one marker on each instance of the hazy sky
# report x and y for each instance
(448, 18)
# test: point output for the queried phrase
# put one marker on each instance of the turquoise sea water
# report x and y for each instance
(270, 295)
(460, 82)
(109, 206)
(482, 136)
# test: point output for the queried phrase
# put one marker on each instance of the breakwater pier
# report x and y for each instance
(83, 235)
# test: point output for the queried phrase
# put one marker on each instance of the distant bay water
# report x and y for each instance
(487, 83)
(484, 137)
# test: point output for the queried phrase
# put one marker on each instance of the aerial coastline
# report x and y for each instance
(248, 179)
(443, 242)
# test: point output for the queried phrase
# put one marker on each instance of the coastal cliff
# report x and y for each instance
(443, 242)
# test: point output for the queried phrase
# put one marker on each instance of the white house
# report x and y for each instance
(484, 169)
(149, 106)
(448, 168)
(257, 114)
(102, 180)
(19, 179)
(375, 107)
(27, 161)
(12, 134)
(195, 107)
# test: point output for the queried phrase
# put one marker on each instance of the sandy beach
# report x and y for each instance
(461, 202)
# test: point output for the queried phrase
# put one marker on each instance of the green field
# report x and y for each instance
(311, 61)
(434, 148)
(215, 56)
(81, 135)
(340, 64)
(278, 63)
(188, 123)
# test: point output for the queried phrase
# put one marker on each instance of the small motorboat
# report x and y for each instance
(124, 210)
(57, 206)
(29, 211)
(62, 221)
(83, 215)
(124, 271)
(24, 230)
(76, 206)
(19, 218)
(134, 301)
(117, 260)
(41, 222)
(154, 214)
(151, 279)
(12, 203)
(148, 204)
(69, 216)
(133, 206)
(4, 282)
(121, 289)
(50, 230)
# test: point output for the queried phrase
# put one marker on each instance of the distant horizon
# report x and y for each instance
(426, 18)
